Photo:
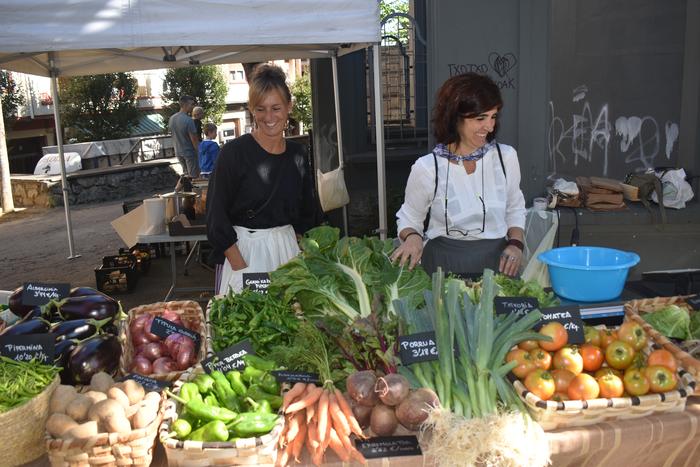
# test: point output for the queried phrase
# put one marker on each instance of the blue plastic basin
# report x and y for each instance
(588, 273)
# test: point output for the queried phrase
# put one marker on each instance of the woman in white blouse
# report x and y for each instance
(468, 188)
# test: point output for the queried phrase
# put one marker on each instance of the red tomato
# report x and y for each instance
(540, 383)
(633, 334)
(619, 355)
(529, 345)
(570, 359)
(562, 379)
(592, 335)
(583, 387)
(636, 383)
(542, 358)
(525, 362)
(664, 358)
(592, 357)
(661, 379)
(610, 386)
(557, 332)
(606, 337)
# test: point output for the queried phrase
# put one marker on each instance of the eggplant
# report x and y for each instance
(15, 303)
(62, 351)
(30, 326)
(83, 292)
(36, 312)
(97, 307)
(99, 353)
(77, 328)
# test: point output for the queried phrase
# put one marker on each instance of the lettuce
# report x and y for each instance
(671, 321)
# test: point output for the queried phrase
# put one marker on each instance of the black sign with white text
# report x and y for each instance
(149, 384)
(24, 348)
(287, 376)
(256, 281)
(694, 302)
(570, 317)
(39, 293)
(519, 305)
(163, 328)
(419, 347)
(388, 446)
(231, 358)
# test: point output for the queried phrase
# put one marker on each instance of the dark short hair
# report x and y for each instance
(184, 100)
(465, 95)
(208, 128)
(265, 79)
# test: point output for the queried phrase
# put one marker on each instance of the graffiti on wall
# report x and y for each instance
(591, 137)
(501, 67)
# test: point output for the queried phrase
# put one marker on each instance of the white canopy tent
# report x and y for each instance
(83, 37)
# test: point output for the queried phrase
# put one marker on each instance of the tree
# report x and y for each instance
(99, 107)
(396, 27)
(301, 94)
(207, 84)
(12, 98)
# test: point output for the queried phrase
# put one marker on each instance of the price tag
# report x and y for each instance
(163, 328)
(149, 384)
(519, 305)
(694, 302)
(388, 446)
(39, 293)
(570, 317)
(230, 358)
(256, 281)
(419, 347)
(29, 346)
(286, 376)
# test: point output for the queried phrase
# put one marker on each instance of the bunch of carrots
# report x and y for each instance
(319, 417)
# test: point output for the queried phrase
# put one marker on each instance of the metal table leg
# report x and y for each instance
(173, 271)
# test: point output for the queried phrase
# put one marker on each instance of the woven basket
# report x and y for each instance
(261, 450)
(635, 308)
(106, 449)
(192, 317)
(23, 428)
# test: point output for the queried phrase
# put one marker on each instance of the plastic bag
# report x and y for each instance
(676, 191)
(332, 192)
(540, 232)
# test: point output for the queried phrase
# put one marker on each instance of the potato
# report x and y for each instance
(62, 396)
(116, 423)
(153, 396)
(83, 431)
(101, 381)
(95, 396)
(105, 409)
(59, 423)
(119, 396)
(78, 408)
(145, 415)
(134, 391)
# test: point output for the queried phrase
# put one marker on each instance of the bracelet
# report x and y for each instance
(516, 243)
(412, 233)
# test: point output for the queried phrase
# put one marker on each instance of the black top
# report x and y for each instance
(198, 128)
(244, 177)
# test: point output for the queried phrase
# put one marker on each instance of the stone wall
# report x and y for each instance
(28, 193)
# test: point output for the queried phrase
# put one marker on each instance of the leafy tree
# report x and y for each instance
(207, 84)
(12, 98)
(301, 94)
(397, 27)
(99, 107)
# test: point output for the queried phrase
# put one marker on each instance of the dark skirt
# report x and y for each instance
(466, 258)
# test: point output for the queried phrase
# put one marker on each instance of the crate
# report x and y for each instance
(122, 260)
(111, 280)
(143, 257)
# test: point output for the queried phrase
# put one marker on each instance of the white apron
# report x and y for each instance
(263, 250)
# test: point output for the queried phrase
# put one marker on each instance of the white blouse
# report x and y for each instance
(503, 200)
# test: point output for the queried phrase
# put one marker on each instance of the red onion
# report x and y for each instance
(164, 365)
(185, 355)
(174, 341)
(138, 338)
(147, 330)
(141, 365)
(172, 316)
(137, 323)
(153, 350)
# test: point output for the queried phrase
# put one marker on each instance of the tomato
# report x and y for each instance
(540, 383)
(606, 370)
(525, 362)
(636, 382)
(633, 334)
(529, 345)
(606, 337)
(592, 335)
(560, 397)
(619, 355)
(583, 387)
(592, 357)
(557, 332)
(661, 379)
(664, 358)
(562, 379)
(542, 358)
(611, 386)
(570, 359)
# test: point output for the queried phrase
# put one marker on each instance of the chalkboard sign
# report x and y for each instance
(694, 302)
(388, 446)
(256, 281)
(570, 317)
(163, 328)
(39, 293)
(287, 376)
(27, 347)
(419, 347)
(149, 384)
(519, 305)
(231, 358)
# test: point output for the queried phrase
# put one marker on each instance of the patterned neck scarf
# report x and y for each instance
(441, 151)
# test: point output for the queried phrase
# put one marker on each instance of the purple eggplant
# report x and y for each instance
(62, 351)
(99, 353)
(84, 291)
(77, 328)
(15, 303)
(30, 326)
(90, 306)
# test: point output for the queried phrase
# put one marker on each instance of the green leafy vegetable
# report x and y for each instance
(694, 327)
(671, 321)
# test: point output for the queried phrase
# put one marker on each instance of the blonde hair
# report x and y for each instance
(198, 110)
(267, 78)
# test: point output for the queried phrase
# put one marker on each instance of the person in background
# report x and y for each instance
(468, 188)
(184, 135)
(260, 196)
(208, 150)
(197, 115)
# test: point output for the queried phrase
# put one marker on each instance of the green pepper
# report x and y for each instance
(204, 382)
(269, 384)
(237, 384)
(253, 424)
(181, 428)
(259, 363)
(198, 409)
(211, 401)
(213, 431)
(260, 407)
(252, 374)
(257, 393)
(190, 391)
(221, 386)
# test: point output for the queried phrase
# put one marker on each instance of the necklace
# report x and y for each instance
(443, 151)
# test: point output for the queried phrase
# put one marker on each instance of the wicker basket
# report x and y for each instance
(191, 315)
(249, 451)
(106, 449)
(635, 308)
(23, 427)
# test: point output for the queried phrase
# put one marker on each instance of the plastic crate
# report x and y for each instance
(111, 280)
(143, 257)
(119, 261)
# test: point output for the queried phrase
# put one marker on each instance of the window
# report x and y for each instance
(236, 75)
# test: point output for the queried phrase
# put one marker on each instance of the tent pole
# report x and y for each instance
(61, 160)
(339, 132)
(379, 123)
(8, 203)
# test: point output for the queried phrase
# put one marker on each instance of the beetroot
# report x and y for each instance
(413, 411)
(383, 421)
(361, 388)
(392, 388)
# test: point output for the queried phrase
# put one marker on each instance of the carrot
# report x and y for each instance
(347, 411)
(337, 446)
(317, 457)
(310, 397)
(297, 390)
(298, 442)
(310, 413)
(323, 419)
(357, 455)
(327, 437)
(312, 436)
(294, 423)
(340, 423)
(282, 458)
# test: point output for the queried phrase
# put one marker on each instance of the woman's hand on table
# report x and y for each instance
(511, 258)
